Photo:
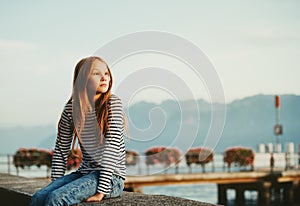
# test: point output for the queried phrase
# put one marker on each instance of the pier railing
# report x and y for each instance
(261, 163)
(7, 166)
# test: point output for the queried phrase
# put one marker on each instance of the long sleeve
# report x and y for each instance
(63, 143)
(114, 145)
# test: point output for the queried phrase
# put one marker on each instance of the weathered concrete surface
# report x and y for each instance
(15, 190)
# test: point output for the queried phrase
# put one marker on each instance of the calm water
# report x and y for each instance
(200, 192)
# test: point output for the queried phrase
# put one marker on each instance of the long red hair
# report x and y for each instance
(81, 103)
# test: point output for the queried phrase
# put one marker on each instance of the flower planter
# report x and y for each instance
(37, 157)
(199, 155)
(74, 159)
(240, 156)
(29, 157)
(163, 155)
(132, 158)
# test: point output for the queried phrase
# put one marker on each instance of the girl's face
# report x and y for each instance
(99, 78)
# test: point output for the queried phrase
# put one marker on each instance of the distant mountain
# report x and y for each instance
(15, 137)
(249, 121)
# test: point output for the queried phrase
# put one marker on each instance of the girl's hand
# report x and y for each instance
(95, 198)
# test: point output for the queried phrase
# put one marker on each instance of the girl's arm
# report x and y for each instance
(113, 143)
(63, 143)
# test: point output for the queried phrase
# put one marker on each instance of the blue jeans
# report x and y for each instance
(74, 188)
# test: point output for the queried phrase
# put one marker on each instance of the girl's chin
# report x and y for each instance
(101, 91)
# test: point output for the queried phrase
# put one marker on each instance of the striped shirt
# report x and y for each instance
(108, 157)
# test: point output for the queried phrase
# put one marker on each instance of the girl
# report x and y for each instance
(95, 118)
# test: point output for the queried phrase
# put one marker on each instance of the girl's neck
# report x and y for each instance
(97, 96)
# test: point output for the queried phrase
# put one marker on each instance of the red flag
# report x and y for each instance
(277, 101)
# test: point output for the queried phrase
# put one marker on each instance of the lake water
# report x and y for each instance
(200, 192)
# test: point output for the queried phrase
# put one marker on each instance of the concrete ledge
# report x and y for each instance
(15, 190)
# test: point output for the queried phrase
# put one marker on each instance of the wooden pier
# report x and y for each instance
(262, 182)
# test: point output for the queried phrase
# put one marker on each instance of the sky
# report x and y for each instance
(254, 47)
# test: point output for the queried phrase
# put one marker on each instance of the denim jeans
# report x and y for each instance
(74, 188)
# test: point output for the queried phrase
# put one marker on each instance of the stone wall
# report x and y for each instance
(15, 190)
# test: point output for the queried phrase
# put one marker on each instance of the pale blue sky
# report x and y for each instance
(254, 46)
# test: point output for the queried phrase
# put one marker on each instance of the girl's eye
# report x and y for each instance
(106, 73)
(96, 73)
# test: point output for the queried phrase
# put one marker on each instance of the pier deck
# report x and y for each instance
(216, 177)
(263, 182)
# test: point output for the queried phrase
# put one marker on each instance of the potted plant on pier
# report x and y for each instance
(240, 155)
(27, 157)
(199, 155)
(163, 155)
(32, 157)
(132, 158)
(74, 159)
